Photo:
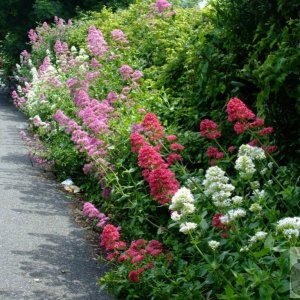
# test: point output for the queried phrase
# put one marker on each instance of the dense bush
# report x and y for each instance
(210, 214)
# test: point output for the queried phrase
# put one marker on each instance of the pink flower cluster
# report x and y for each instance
(18, 100)
(96, 42)
(93, 113)
(60, 48)
(119, 36)
(38, 153)
(45, 65)
(91, 211)
(162, 181)
(128, 73)
(93, 147)
(162, 5)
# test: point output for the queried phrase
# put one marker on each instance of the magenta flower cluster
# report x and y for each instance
(96, 42)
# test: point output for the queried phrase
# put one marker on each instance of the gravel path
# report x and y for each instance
(43, 253)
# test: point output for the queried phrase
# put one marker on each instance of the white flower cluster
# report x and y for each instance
(289, 227)
(259, 236)
(233, 215)
(245, 166)
(213, 244)
(255, 153)
(182, 204)
(217, 187)
(245, 161)
(187, 227)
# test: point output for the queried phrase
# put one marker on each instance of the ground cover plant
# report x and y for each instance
(184, 213)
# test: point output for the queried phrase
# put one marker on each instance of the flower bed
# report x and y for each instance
(173, 227)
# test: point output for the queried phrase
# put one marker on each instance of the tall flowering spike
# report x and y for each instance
(163, 185)
(152, 127)
(150, 159)
(217, 187)
(238, 111)
(137, 142)
(96, 43)
(45, 65)
(33, 36)
(209, 129)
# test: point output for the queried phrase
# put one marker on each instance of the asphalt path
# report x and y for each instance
(43, 253)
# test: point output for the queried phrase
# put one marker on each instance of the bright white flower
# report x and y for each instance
(187, 227)
(213, 244)
(259, 236)
(217, 187)
(290, 227)
(288, 222)
(255, 207)
(73, 49)
(255, 153)
(175, 216)
(188, 208)
(270, 165)
(270, 182)
(181, 199)
(245, 166)
(237, 200)
(232, 215)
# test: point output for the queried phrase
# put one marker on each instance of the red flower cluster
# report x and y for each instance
(213, 152)
(150, 159)
(209, 129)
(162, 181)
(138, 252)
(134, 276)
(163, 185)
(238, 111)
(152, 127)
(244, 118)
(110, 238)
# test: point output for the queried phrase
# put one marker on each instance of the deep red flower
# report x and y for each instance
(209, 129)
(163, 185)
(265, 131)
(174, 157)
(150, 159)
(231, 149)
(137, 141)
(134, 276)
(137, 258)
(152, 127)
(171, 138)
(109, 237)
(238, 111)
(213, 152)
(176, 147)
(257, 123)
